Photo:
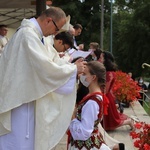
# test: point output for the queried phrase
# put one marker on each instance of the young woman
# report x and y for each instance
(83, 130)
(114, 119)
(111, 142)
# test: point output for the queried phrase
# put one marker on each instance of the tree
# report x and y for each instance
(132, 36)
(131, 29)
(88, 14)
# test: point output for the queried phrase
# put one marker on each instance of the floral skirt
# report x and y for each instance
(103, 147)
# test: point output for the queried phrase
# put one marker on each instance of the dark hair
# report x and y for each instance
(77, 26)
(75, 59)
(95, 68)
(109, 61)
(97, 53)
(81, 92)
(3, 26)
(66, 37)
(98, 69)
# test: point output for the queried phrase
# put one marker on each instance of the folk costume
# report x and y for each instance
(114, 119)
(36, 101)
(83, 131)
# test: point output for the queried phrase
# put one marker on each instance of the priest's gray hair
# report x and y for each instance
(55, 13)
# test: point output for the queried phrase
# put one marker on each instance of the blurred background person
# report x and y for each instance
(144, 89)
(94, 46)
(78, 30)
(3, 38)
(95, 50)
(130, 74)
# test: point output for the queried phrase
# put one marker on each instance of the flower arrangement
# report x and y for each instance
(125, 89)
(141, 136)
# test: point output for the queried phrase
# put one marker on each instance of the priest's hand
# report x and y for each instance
(80, 63)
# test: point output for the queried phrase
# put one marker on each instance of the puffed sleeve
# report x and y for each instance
(81, 130)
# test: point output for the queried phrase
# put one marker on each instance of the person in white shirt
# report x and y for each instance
(37, 88)
(3, 38)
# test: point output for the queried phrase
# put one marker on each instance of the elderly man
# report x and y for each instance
(37, 89)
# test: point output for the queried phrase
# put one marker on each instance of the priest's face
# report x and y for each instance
(52, 26)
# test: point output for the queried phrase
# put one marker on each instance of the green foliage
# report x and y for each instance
(131, 39)
(88, 14)
(131, 29)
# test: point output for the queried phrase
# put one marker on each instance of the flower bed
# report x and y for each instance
(141, 136)
(125, 89)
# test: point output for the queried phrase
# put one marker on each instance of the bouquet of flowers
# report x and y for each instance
(125, 88)
(141, 136)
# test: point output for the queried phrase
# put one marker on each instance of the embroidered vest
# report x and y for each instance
(96, 138)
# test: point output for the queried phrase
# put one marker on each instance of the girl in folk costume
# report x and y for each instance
(83, 131)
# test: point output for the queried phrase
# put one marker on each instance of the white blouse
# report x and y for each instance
(81, 130)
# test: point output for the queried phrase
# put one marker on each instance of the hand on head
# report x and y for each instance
(80, 63)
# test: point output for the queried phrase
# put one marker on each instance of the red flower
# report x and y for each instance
(146, 147)
(137, 143)
(124, 88)
(134, 135)
(141, 136)
(138, 125)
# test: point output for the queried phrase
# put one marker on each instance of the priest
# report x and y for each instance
(37, 89)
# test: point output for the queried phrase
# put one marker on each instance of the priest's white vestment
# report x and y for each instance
(30, 79)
